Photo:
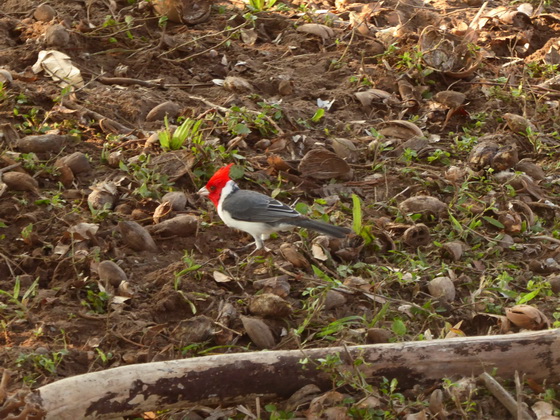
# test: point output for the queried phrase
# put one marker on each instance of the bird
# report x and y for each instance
(258, 214)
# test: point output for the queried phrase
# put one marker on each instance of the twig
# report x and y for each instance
(518, 411)
(128, 81)
(9, 167)
(4, 386)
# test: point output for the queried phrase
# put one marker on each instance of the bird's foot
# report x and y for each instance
(261, 252)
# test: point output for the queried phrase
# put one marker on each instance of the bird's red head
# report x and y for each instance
(215, 185)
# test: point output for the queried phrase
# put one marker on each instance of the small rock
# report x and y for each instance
(44, 13)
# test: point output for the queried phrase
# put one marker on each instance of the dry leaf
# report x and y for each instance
(323, 31)
(323, 164)
(59, 66)
(527, 317)
(220, 277)
(400, 129)
(370, 96)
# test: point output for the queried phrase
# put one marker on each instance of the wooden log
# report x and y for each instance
(225, 379)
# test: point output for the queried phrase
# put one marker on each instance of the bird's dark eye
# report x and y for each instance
(212, 188)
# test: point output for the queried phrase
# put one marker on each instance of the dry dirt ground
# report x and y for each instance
(338, 107)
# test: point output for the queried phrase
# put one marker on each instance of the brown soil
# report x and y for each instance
(66, 325)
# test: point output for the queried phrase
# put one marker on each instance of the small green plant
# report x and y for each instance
(43, 363)
(260, 5)
(96, 300)
(319, 114)
(16, 298)
(276, 414)
(188, 130)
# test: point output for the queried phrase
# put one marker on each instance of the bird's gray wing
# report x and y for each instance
(251, 206)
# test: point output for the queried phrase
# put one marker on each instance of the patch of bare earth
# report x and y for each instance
(431, 128)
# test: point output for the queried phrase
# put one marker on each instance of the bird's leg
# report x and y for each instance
(259, 243)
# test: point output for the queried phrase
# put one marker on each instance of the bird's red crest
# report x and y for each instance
(217, 183)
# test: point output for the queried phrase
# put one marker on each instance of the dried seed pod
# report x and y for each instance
(436, 403)
(323, 164)
(528, 317)
(183, 225)
(278, 286)
(417, 235)
(519, 124)
(44, 13)
(77, 162)
(531, 169)
(169, 109)
(512, 222)
(42, 143)
(450, 98)
(5, 77)
(125, 289)
(136, 237)
(322, 31)
(269, 305)
(400, 129)
(194, 330)
(109, 272)
(442, 287)
(378, 335)
(177, 199)
(334, 299)
(455, 174)
(482, 155)
(100, 199)
(453, 250)
(371, 96)
(189, 12)
(258, 332)
(57, 36)
(19, 181)
(345, 148)
(292, 255)
(424, 205)
(505, 158)
(65, 174)
(238, 84)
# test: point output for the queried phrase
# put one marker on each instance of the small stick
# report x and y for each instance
(505, 397)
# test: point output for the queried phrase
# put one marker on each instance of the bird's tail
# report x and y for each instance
(322, 227)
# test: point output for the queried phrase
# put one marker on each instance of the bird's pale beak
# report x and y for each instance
(203, 192)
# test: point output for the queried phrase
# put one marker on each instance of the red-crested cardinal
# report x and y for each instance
(256, 213)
